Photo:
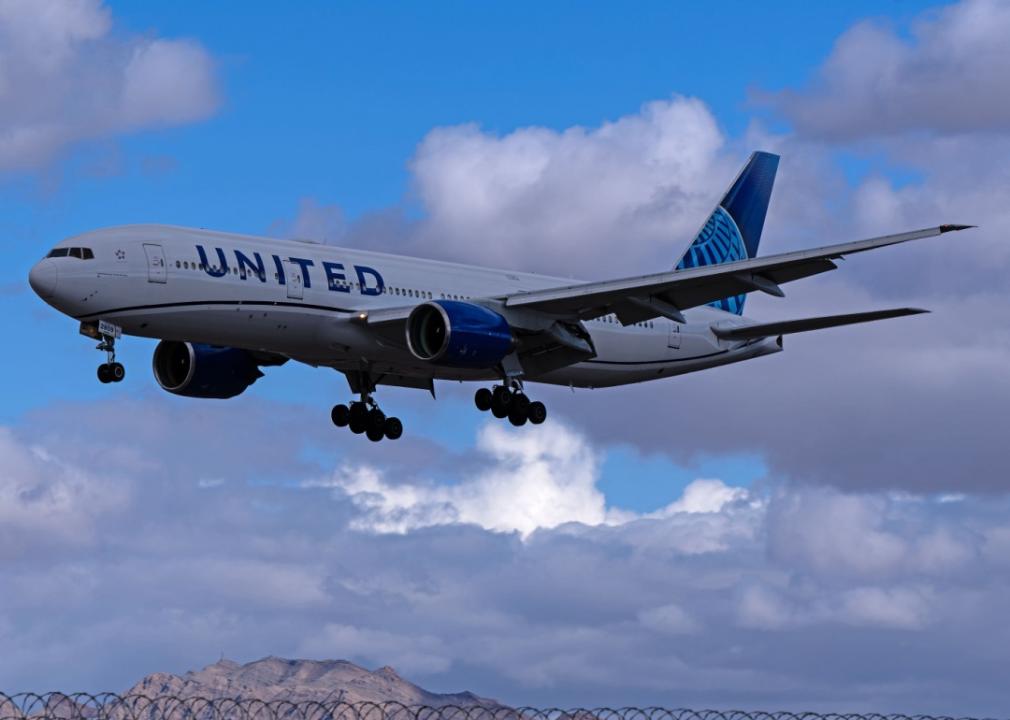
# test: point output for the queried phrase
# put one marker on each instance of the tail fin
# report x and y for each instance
(733, 230)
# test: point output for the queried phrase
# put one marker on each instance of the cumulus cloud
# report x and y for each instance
(524, 482)
(538, 479)
(66, 76)
(724, 598)
(782, 596)
(620, 198)
(625, 194)
(46, 500)
(947, 76)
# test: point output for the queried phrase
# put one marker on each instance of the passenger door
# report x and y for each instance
(296, 284)
(156, 271)
(674, 339)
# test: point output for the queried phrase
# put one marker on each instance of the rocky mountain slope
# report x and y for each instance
(300, 680)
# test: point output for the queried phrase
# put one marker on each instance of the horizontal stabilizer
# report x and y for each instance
(753, 332)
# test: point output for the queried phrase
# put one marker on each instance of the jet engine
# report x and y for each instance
(203, 371)
(458, 334)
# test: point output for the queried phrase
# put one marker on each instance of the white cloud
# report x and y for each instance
(623, 196)
(45, 499)
(734, 598)
(167, 82)
(831, 533)
(528, 481)
(948, 76)
(535, 479)
(705, 496)
(65, 77)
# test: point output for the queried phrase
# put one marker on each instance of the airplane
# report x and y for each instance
(226, 305)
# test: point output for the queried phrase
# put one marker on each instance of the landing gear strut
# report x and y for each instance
(110, 371)
(365, 417)
(510, 402)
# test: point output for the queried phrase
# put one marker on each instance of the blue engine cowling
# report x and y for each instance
(458, 334)
(203, 371)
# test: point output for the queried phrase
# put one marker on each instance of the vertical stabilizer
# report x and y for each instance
(733, 230)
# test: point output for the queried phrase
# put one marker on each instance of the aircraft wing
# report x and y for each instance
(668, 294)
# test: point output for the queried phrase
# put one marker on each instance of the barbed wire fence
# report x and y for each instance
(110, 706)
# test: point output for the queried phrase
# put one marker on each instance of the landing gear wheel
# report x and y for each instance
(483, 399)
(501, 396)
(340, 415)
(117, 372)
(376, 420)
(501, 400)
(375, 434)
(520, 403)
(393, 428)
(104, 374)
(517, 416)
(536, 412)
(358, 418)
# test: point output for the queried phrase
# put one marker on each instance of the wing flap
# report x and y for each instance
(763, 330)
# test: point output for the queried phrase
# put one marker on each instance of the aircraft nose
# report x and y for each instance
(44, 277)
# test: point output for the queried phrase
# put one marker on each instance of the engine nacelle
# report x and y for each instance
(458, 334)
(203, 371)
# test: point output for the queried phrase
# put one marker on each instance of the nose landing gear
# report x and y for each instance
(511, 403)
(110, 371)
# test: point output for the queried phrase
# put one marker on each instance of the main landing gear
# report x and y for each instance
(511, 403)
(365, 417)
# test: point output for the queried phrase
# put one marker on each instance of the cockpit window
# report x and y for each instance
(79, 253)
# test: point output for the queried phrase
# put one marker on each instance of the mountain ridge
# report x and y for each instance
(300, 680)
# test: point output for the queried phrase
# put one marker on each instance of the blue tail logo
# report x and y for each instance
(733, 230)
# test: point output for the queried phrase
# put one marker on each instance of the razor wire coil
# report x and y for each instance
(112, 706)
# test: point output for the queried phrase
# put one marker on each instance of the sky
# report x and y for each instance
(827, 528)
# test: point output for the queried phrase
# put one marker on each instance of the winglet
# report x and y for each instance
(954, 228)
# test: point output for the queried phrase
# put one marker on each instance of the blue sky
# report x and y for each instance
(844, 500)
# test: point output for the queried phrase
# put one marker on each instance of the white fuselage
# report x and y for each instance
(302, 301)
